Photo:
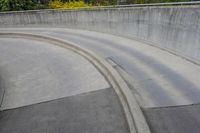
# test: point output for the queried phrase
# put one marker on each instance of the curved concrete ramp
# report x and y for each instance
(34, 72)
(160, 63)
(158, 79)
(47, 88)
(165, 85)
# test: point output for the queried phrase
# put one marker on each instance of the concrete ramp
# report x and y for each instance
(143, 78)
(47, 88)
(34, 72)
(162, 82)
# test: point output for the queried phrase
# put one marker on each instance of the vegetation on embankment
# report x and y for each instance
(71, 4)
(15, 5)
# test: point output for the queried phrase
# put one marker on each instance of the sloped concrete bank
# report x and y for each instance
(175, 28)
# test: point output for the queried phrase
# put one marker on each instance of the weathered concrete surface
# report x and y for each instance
(33, 72)
(158, 78)
(181, 119)
(134, 116)
(174, 28)
(94, 112)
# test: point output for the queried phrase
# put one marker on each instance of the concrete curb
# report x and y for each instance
(133, 113)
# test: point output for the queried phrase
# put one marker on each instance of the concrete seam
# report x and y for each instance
(3, 95)
(54, 99)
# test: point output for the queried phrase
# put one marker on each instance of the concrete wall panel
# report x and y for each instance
(175, 28)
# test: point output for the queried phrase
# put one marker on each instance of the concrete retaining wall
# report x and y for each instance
(173, 28)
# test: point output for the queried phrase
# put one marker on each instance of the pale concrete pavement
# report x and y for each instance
(158, 78)
(34, 72)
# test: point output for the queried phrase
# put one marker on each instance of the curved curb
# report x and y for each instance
(135, 118)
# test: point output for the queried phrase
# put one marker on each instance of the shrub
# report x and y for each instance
(70, 4)
(73, 4)
(55, 4)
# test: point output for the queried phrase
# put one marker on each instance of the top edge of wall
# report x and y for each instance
(116, 7)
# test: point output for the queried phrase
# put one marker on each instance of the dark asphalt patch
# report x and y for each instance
(180, 119)
(95, 112)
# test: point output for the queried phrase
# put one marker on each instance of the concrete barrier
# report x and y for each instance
(175, 28)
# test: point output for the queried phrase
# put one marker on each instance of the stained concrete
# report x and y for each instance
(94, 112)
(176, 28)
(33, 72)
(180, 119)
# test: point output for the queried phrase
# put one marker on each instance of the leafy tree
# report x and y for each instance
(13, 5)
